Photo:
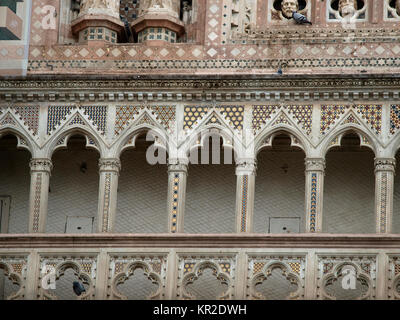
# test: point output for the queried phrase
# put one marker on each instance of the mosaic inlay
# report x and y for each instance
(329, 115)
(394, 118)
(313, 202)
(123, 115)
(245, 184)
(303, 115)
(373, 115)
(174, 212)
(261, 114)
(30, 116)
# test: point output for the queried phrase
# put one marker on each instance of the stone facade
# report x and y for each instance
(306, 120)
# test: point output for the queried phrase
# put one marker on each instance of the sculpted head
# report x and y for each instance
(347, 7)
(289, 6)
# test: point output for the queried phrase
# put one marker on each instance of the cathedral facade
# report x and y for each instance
(200, 149)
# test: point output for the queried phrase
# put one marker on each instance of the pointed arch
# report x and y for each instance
(268, 133)
(128, 138)
(60, 140)
(335, 137)
(24, 141)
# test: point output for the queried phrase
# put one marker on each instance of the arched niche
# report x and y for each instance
(73, 189)
(349, 186)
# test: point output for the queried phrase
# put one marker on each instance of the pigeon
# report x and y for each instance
(299, 18)
(78, 288)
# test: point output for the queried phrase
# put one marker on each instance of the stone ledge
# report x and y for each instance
(256, 241)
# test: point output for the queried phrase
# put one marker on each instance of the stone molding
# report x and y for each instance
(263, 89)
(180, 240)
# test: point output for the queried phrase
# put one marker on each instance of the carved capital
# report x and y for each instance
(246, 166)
(178, 165)
(315, 164)
(385, 164)
(110, 165)
(41, 165)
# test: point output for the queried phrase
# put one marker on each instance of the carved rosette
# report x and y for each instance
(110, 165)
(315, 164)
(246, 167)
(41, 165)
(385, 164)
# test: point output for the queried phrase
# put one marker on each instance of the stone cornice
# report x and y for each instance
(315, 241)
(207, 88)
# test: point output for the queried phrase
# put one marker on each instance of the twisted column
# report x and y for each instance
(39, 194)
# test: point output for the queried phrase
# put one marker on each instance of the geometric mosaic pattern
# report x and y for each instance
(192, 114)
(129, 9)
(164, 114)
(329, 114)
(98, 115)
(313, 202)
(77, 119)
(30, 116)
(123, 115)
(394, 118)
(350, 119)
(175, 203)
(261, 114)
(57, 114)
(373, 115)
(245, 184)
(303, 115)
(234, 114)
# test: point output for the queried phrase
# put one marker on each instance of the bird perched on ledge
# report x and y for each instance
(299, 18)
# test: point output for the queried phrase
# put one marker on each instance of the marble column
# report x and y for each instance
(109, 172)
(315, 171)
(384, 182)
(177, 177)
(245, 187)
(39, 194)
